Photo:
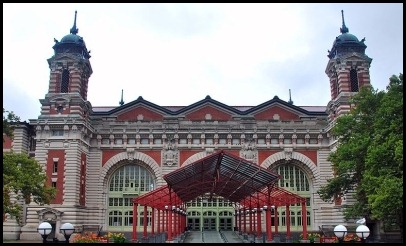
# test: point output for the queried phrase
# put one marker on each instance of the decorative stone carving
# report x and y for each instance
(249, 152)
(170, 155)
(49, 214)
(130, 153)
(276, 117)
(288, 153)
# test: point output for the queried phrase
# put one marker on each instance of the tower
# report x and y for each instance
(63, 133)
(347, 69)
(70, 70)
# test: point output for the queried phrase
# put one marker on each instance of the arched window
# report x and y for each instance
(336, 87)
(295, 180)
(65, 81)
(126, 183)
(354, 80)
(292, 178)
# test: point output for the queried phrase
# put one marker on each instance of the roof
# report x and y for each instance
(219, 174)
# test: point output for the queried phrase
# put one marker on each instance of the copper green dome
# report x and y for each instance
(346, 43)
(72, 38)
(72, 43)
(346, 37)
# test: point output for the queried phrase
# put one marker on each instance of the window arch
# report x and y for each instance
(65, 81)
(295, 180)
(354, 80)
(126, 183)
(292, 178)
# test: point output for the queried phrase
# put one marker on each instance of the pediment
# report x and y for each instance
(139, 113)
(277, 112)
(59, 98)
(208, 112)
(49, 211)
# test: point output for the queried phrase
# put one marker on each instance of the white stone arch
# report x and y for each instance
(306, 163)
(131, 156)
(194, 158)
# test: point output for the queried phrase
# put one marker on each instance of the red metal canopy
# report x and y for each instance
(223, 174)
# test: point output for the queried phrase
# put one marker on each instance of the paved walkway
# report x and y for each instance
(20, 241)
(212, 237)
(191, 237)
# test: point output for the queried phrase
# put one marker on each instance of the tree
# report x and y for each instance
(369, 155)
(22, 175)
(8, 120)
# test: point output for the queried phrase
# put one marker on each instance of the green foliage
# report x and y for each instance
(24, 176)
(369, 155)
(8, 119)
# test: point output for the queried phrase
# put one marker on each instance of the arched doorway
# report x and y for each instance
(127, 182)
(293, 179)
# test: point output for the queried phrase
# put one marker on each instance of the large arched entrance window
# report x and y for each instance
(295, 180)
(126, 183)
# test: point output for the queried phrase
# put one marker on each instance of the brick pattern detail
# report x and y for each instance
(107, 154)
(201, 113)
(284, 114)
(311, 154)
(155, 155)
(82, 188)
(185, 155)
(60, 154)
(263, 154)
(132, 115)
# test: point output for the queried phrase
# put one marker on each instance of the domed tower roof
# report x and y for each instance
(346, 43)
(72, 43)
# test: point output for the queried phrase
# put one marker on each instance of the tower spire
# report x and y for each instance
(74, 30)
(122, 101)
(343, 29)
(290, 98)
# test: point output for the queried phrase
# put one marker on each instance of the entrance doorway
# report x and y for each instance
(226, 224)
(209, 224)
(194, 224)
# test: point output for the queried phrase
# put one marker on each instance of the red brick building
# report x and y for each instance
(99, 158)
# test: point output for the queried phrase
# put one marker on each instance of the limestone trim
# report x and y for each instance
(272, 161)
(195, 157)
(131, 156)
(55, 215)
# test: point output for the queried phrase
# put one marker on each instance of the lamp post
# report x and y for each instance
(340, 231)
(44, 229)
(362, 232)
(67, 229)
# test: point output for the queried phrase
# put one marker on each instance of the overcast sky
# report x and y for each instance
(175, 54)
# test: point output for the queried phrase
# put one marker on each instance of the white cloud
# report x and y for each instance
(176, 54)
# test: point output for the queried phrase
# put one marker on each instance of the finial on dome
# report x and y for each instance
(290, 98)
(74, 30)
(122, 101)
(343, 29)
